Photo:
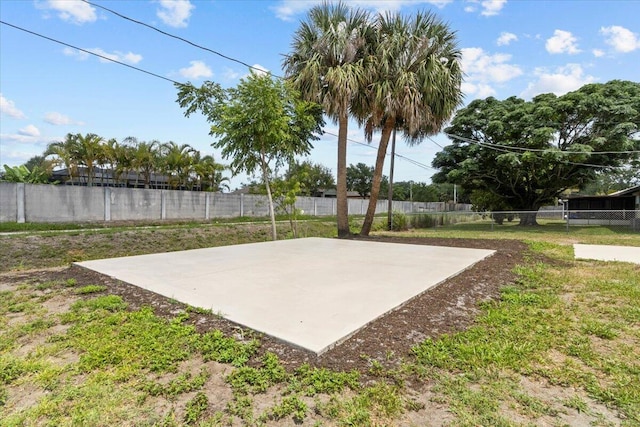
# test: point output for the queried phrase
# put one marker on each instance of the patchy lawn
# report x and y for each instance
(528, 337)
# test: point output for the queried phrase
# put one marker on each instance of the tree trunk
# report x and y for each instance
(389, 124)
(528, 219)
(272, 214)
(342, 204)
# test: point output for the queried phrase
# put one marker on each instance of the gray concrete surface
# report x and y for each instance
(313, 293)
(607, 253)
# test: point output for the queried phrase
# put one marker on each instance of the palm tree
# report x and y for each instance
(146, 159)
(327, 67)
(87, 151)
(209, 174)
(177, 161)
(413, 84)
(63, 155)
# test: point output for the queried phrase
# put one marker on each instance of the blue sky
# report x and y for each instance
(514, 47)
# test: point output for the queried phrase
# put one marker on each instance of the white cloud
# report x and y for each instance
(23, 138)
(29, 130)
(58, 119)
(76, 11)
(78, 54)
(197, 70)
(488, 7)
(259, 70)
(231, 74)
(620, 38)
(175, 13)
(483, 70)
(506, 38)
(492, 7)
(287, 9)
(558, 81)
(480, 90)
(562, 42)
(9, 108)
(127, 58)
(597, 53)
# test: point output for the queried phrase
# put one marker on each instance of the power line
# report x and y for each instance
(504, 149)
(135, 21)
(89, 52)
(414, 162)
(539, 150)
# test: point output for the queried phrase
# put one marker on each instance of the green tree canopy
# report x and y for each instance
(261, 124)
(528, 152)
(313, 177)
(359, 178)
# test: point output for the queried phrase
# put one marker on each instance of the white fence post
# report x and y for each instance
(163, 204)
(21, 215)
(107, 203)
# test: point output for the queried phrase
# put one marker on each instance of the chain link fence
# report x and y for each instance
(562, 219)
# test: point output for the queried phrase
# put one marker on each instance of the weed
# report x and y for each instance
(257, 380)
(289, 406)
(312, 381)
(184, 383)
(90, 289)
(195, 408)
(215, 346)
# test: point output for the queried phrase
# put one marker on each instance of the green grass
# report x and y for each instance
(559, 342)
(56, 248)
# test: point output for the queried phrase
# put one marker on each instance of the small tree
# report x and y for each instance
(359, 178)
(261, 124)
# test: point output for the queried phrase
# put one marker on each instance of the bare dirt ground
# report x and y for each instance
(449, 307)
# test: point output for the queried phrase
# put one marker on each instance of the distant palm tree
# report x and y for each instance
(61, 153)
(177, 161)
(87, 151)
(413, 84)
(327, 67)
(145, 160)
(209, 174)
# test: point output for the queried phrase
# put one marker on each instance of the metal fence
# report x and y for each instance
(561, 219)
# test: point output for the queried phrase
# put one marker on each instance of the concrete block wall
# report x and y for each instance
(59, 203)
(9, 202)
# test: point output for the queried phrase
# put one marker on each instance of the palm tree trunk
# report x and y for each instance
(342, 204)
(389, 124)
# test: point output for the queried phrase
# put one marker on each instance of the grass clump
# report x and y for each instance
(217, 347)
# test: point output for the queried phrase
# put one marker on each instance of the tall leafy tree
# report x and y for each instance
(312, 177)
(261, 124)
(359, 178)
(326, 66)
(528, 153)
(414, 82)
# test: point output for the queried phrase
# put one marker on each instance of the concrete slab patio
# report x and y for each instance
(607, 253)
(313, 293)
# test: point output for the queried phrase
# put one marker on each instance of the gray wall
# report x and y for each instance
(60, 203)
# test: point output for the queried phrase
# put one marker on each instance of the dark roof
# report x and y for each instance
(628, 192)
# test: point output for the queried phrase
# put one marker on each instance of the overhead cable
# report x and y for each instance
(106, 58)
(540, 150)
(135, 21)
(504, 149)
